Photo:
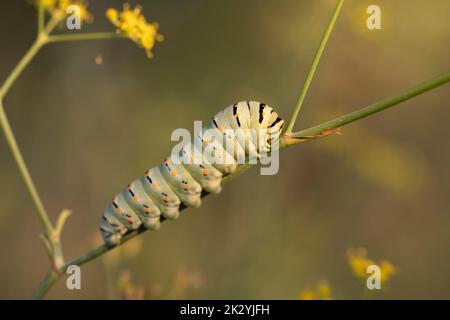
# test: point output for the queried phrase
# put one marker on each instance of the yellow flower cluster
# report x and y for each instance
(359, 262)
(133, 24)
(59, 8)
(321, 292)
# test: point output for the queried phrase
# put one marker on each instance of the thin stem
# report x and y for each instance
(54, 20)
(85, 36)
(40, 41)
(41, 17)
(23, 63)
(49, 235)
(12, 143)
(374, 108)
(46, 283)
(313, 67)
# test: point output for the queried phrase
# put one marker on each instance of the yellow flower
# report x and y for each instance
(387, 271)
(359, 262)
(133, 24)
(307, 295)
(59, 8)
(47, 4)
(321, 292)
(324, 290)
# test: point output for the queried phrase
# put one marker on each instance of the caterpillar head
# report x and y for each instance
(274, 129)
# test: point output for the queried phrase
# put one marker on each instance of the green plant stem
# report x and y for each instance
(40, 41)
(374, 108)
(46, 283)
(53, 22)
(41, 18)
(85, 36)
(286, 141)
(51, 236)
(23, 63)
(11, 140)
(313, 67)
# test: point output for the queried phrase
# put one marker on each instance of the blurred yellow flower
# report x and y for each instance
(133, 24)
(59, 8)
(358, 261)
(307, 295)
(321, 292)
(387, 271)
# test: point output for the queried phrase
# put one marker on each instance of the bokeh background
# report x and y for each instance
(87, 129)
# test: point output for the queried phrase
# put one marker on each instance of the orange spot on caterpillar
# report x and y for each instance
(174, 173)
(204, 172)
(154, 185)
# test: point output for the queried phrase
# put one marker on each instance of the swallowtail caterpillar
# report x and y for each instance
(161, 191)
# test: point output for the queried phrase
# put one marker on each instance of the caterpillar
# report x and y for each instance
(250, 127)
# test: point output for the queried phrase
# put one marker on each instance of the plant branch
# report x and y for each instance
(85, 36)
(23, 63)
(56, 18)
(313, 67)
(318, 131)
(50, 237)
(46, 283)
(373, 108)
(12, 143)
(41, 17)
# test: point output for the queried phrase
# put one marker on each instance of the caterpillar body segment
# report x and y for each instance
(124, 213)
(184, 185)
(140, 201)
(240, 132)
(215, 153)
(160, 192)
(206, 174)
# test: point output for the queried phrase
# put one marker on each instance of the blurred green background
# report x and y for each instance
(86, 130)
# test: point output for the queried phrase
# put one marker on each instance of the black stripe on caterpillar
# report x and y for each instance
(163, 189)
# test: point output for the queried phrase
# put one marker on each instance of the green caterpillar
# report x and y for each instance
(161, 191)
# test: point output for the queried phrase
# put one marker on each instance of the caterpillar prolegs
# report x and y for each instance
(250, 127)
